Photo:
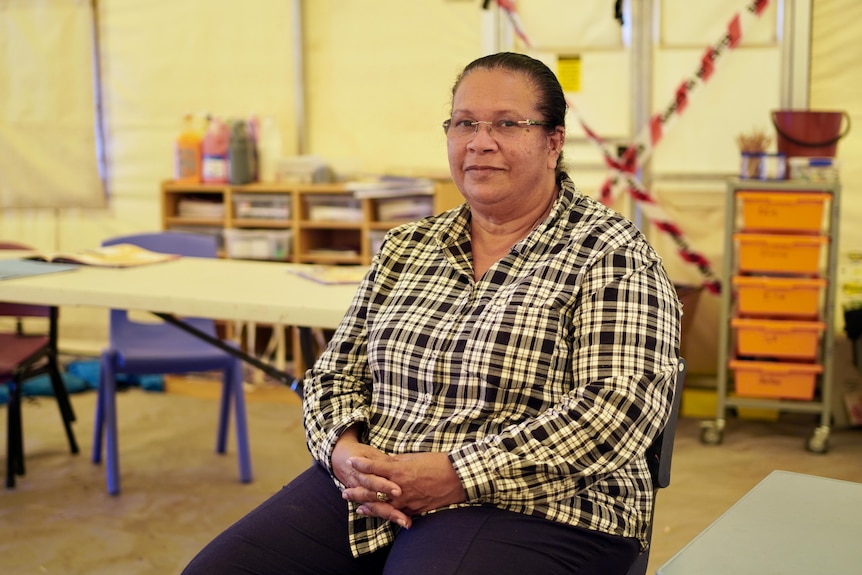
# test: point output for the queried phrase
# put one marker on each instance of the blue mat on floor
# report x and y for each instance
(80, 376)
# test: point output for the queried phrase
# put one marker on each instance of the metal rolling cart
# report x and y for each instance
(788, 293)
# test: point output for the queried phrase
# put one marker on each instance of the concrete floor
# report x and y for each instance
(177, 493)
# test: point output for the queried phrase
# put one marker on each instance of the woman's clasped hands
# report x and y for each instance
(394, 487)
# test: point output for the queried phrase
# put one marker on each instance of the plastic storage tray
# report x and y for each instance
(258, 244)
(777, 338)
(778, 297)
(782, 254)
(775, 380)
(261, 206)
(333, 208)
(408, 208)
(783, 211)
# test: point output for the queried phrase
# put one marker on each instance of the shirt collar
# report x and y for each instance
(458, 230)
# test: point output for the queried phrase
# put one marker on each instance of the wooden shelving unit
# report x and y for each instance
(346, 238)
(313, 239)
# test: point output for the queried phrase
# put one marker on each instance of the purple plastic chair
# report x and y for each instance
(22, 356)
(161, 348)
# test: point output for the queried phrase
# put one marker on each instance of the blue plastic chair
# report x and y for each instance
(161, 348)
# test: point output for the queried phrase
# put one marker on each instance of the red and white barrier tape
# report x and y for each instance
(659, 123)
(623, 166)
(508, 6)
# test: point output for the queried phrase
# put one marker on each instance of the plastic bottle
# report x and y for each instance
(240, 154)
(187, 153)
(214, 167)
(268, 150)
(254, 134)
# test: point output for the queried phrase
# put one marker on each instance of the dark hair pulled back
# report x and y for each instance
(551, 100)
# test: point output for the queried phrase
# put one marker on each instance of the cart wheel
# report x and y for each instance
(819, 441)
(710, 434)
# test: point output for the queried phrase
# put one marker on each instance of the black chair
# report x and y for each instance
(659, 456)
(23, 356)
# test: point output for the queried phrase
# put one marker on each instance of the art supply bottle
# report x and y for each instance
(254, 135)
(268, 150)
(214, 167)
(187, 153)
(240, 154)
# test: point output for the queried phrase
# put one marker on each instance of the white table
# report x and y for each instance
(253, 291)
(789, 523)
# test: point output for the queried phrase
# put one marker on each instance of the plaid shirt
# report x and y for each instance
(544, 381)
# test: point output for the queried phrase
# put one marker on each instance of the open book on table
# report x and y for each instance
(115, 256)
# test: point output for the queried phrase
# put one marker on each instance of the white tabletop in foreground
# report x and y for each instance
(789, 523)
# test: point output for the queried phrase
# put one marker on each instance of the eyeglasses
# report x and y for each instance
(499, 129)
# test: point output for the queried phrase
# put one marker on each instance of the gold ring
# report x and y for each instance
(382, 496)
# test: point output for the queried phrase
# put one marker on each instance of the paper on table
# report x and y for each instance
(21, 268)
(330, 275)
(115, 256)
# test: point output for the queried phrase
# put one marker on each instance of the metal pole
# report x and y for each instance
(299, 66)
(642, 12)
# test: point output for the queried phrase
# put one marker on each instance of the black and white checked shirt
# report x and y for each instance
(544, 381)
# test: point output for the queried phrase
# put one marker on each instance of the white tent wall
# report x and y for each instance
(376, 76)
(836, 84)
(47, 112)
(698, 205)
(161, 60)
(689, 167)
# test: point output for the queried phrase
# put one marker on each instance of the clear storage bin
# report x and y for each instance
(258, 244)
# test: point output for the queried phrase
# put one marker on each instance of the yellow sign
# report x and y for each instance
(569, 73)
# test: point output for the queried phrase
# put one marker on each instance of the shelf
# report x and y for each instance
(348, 242)
(387, 225)
(261, 223)
(781, 247)
(329, 259)
(331, 225)
(186, 221)
(195, 188)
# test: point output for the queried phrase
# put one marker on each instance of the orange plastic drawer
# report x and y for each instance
(783, 211)
(785, 254)
(775, 380)
(777, 338)
(784, 297)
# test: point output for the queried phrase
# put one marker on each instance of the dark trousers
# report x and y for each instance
(302, 529)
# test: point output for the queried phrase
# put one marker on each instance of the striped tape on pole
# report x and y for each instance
(624, 166)
(639, 152)
(508, 6)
